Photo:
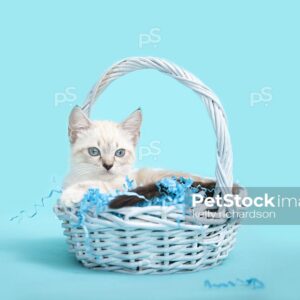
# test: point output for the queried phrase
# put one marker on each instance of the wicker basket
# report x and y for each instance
(155, 239)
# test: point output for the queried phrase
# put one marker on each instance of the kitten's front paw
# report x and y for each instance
(72, 195)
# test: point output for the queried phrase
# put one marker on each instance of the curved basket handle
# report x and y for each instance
(224, 151)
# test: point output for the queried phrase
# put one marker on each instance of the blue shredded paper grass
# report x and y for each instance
(174, 191)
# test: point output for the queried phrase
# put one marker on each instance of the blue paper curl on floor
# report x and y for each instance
(253, 283)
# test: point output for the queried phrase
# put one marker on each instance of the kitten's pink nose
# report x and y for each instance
(107, 166)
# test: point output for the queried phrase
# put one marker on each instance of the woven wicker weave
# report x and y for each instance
(155, 239)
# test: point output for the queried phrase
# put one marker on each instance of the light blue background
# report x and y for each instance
(236, 47)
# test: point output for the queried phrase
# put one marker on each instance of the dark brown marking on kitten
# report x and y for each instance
(150, 191)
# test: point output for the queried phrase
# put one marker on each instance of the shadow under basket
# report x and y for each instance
(155, 239)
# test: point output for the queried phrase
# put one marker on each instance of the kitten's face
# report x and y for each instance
(104, 148)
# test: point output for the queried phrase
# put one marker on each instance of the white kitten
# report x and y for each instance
(103, 154)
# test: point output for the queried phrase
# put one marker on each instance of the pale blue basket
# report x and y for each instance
(155, 239)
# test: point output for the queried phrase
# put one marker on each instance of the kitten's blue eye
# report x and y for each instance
(94, 151)
(120, 153)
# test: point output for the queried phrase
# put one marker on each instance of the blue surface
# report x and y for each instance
(237, 48)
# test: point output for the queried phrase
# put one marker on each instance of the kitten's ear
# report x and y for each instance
(78, 121)
(132, 125)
